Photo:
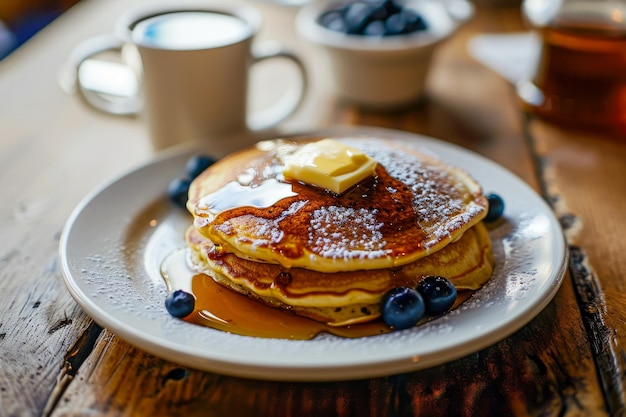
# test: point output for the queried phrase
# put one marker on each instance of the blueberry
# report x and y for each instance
(414, 22)
(439, 294)
(197, 164)
(402, 307)
(357, 16)
(375, 28)
(379, 11)
(368, 17)
(180, 303)
(333, 20)
(395, 24)
(178, 191)
(392, 7)
(496, 207)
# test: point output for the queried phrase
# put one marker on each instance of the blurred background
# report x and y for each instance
(21, 19)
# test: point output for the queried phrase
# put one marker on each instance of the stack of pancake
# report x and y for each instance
(331, 257)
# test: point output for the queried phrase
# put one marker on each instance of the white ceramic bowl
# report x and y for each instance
(383, 72)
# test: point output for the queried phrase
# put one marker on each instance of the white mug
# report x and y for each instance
(192, 61)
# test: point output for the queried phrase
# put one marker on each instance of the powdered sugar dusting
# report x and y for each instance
(439, 197)
(346, 233)
(414, 205)
(267, 232)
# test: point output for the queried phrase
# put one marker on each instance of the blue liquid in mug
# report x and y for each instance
(190, 30)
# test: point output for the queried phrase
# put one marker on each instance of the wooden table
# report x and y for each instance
(568, 361)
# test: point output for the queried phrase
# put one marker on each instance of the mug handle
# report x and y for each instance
(108, 103)
(291, 100)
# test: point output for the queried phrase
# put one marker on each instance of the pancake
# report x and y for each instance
(342, 298)
(412, 207)
(331, 257)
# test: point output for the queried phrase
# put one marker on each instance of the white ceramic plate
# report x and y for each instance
(115, 240)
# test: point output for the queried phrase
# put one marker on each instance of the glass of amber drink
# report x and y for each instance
(580, 80)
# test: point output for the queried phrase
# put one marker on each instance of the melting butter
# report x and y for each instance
(328, 164)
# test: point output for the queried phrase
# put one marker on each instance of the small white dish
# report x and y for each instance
(114, 243)
(383, 71)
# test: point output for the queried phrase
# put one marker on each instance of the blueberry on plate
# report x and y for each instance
(402, 307)
(439, 294)
(180, 303)
(496, 207)
(197, 164)
(178, 191)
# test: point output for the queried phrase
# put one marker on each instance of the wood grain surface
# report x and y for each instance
(568, 361)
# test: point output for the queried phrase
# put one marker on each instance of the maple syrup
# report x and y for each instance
(223, 309)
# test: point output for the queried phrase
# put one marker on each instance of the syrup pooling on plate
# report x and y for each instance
(223, 309)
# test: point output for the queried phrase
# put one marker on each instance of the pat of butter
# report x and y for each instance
(328, 164)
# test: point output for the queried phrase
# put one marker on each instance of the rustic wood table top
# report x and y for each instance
(55, 361)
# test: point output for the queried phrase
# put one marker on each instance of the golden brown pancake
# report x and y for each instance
(348, 297)
(414, 206)
(332, 257)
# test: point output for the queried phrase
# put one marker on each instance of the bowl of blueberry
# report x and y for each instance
(380, 51)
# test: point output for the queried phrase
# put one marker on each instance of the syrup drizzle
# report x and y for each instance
(412, 205)
(224, 309)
